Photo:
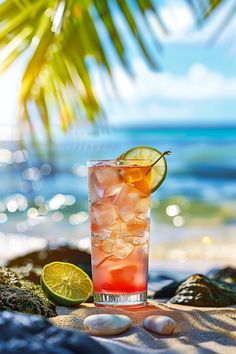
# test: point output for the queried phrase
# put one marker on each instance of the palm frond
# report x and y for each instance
(213, 4)
(146, 6)
(203, 8)
(59, 37)
(105, 15)
(126, 12)
(13, 49)
(223, 24)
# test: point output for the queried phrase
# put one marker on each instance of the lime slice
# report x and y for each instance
(150, 154)
(65, 284)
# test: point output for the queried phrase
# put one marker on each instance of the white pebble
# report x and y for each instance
(106, 325)
(160, 324)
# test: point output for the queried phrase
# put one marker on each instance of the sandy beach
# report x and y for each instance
(199, 330)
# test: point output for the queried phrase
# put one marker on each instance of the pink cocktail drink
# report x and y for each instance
(119, 199)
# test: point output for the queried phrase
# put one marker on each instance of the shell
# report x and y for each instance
(160, 324)
(106, 324)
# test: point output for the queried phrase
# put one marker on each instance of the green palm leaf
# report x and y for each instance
(203, 8)
(62, 38)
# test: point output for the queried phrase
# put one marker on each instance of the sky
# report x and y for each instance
(196, 86)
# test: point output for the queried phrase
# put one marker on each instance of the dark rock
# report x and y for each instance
(8, 277)
(218, 288)
(20, 300)
(167, 291)
(22, 295)
(27, 334)
(31, 264)
(227, 275)
(199, 290)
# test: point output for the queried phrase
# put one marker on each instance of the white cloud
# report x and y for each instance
(182, 24)
(177, 17)
(165, 95)
(183, 28)
(199, 84)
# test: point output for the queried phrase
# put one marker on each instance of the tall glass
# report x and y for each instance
(119, 201)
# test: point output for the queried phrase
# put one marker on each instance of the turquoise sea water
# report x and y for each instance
(202, 164)
(202, 167)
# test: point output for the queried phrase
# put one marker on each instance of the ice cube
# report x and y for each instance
(109, 244)
(100, 233)
(122, 249)
(96, 190)
(104, 212)
(112, 190)
(143, 206)
(133, 175)
(122, 275)
(126, 212)
(97, 257)
(115, 227)
(144, 185)
(137, 226)
(142, 251)
(95, 241)
(116, 246)
(138, 240)
(123, 229)
(126, 201)
(107, 175)
(119, 226)
(108, 181)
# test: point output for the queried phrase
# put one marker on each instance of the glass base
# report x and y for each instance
(121, 300)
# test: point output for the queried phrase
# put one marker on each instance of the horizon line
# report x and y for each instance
(176, 126)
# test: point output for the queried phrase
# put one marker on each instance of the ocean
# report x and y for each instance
(202, 165)
(197, 201)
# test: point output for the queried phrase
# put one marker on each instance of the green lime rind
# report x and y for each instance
(57, 297)
(159, 170)
(120, 157)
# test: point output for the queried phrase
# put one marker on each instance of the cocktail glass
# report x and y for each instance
(119, 202)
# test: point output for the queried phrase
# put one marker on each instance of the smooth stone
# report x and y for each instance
(160, 324)
(106, 324)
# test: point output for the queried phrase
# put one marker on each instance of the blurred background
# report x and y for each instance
(90, 81)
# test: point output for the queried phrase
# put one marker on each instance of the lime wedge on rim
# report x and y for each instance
(159, 170)
(65, 284)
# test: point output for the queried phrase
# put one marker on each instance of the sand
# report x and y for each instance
(199, 330)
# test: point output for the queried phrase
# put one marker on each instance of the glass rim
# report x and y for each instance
(92, 162)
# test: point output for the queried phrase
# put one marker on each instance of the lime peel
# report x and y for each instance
(157, 159)
(65, 284)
